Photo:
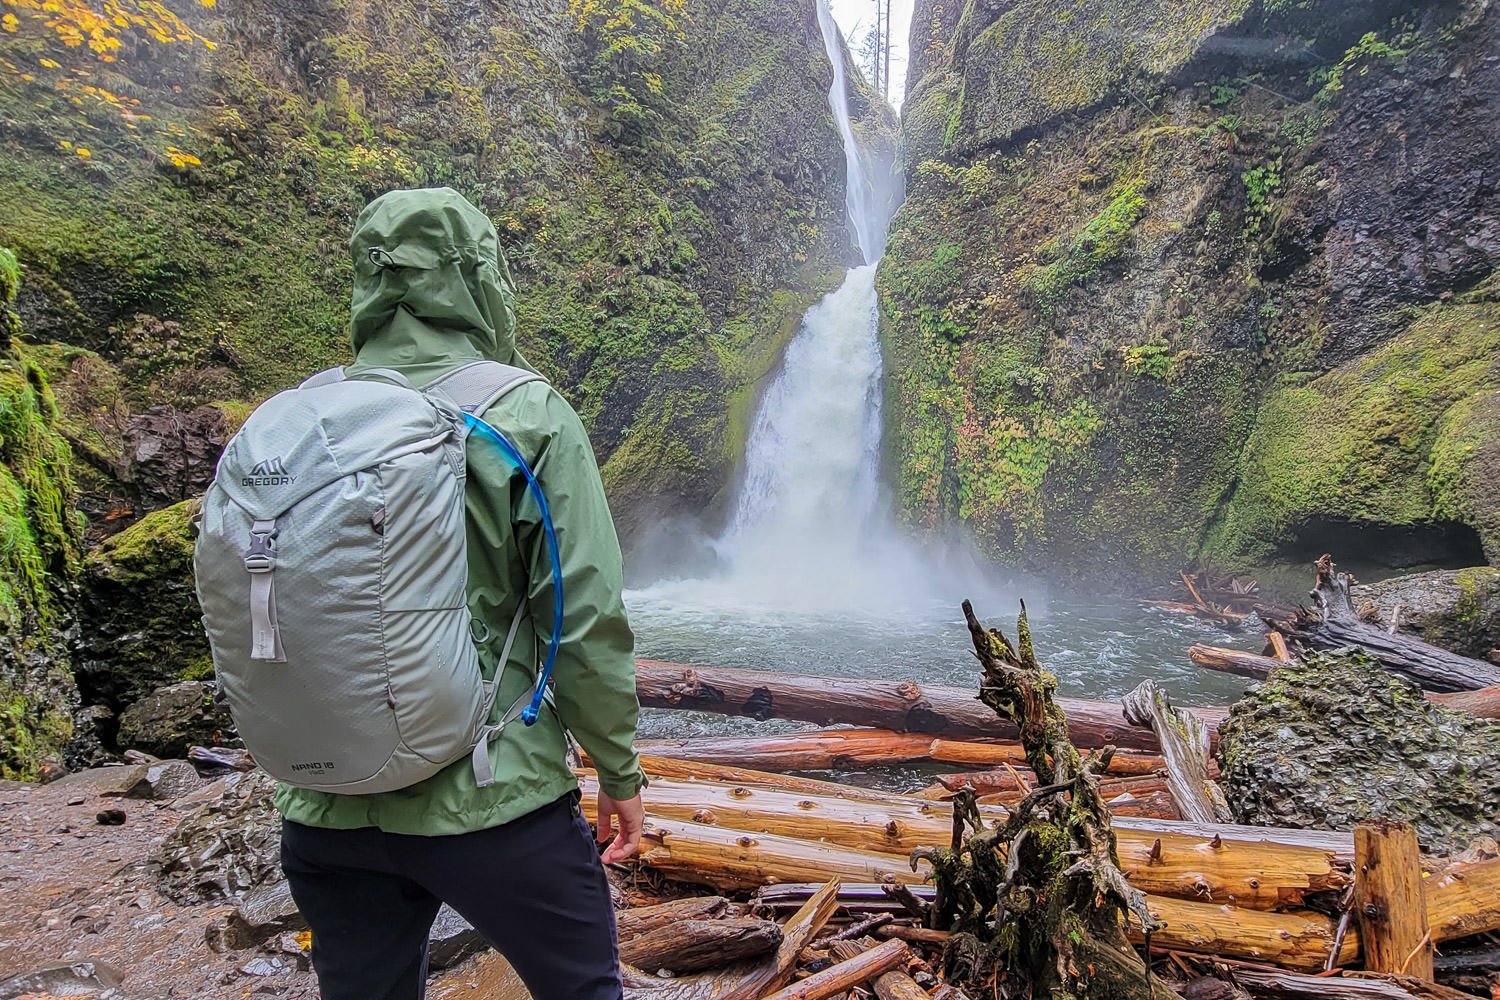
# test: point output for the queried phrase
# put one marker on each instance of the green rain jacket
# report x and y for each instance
(439, 296)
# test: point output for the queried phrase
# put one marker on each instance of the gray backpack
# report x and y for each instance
(332, 570)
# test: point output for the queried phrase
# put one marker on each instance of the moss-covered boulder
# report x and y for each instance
(1392, 438)
(1458, 610)
(140, 621)
(40, 537)
(1333, 740)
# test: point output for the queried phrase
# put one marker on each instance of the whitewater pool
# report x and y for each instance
(1097, 648)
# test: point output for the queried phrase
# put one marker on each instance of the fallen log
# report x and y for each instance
(1010, 785)
(892, 985)
(853, 749)
(1300, 940)
(1297, 940)
(750, 980)
(831, 749)
(1464, 899)
(1184, 743)
(1152, 805)
(1333, 623)
(1296, 986)
(688, 770)
(840, 977)
(698, 945)
(903, 706)
(1483, 703)
(1261, 875)
(1233, 661)
(635, 921)
(730, 859)
(1338, 845)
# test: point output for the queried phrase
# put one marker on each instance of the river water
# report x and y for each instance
(814, 573)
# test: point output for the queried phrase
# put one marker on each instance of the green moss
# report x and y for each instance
(145, 630)
(1381, 440)
(39, 557)
(1101, 241)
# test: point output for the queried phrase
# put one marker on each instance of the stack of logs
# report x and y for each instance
(835, 901)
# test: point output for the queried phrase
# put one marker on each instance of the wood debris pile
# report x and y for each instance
(834, 889)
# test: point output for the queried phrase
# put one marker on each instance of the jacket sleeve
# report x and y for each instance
(594, 676)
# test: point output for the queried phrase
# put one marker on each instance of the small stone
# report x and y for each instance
(263, 967)
(77, 800)
(64, 979)
(452, 939)
(111, 817)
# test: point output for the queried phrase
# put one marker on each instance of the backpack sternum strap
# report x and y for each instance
(260, 563)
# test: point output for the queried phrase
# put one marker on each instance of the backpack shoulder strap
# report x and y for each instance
(328, 376)
(477, 386)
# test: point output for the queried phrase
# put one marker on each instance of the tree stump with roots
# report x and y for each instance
(1036, 905)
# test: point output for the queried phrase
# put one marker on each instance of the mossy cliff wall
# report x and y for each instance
(40, 538)
(665, 175)
(1206, 280)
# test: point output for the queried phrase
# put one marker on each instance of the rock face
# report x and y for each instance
(141, 621)
(170, 720)
(667, 180)
(40, 539)
(1168, 287)
(1333, 740)
(1458, 610)
(227, 847)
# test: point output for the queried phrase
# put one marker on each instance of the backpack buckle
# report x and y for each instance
(260, 557)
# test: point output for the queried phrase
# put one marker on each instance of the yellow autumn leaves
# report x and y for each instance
(99, 25)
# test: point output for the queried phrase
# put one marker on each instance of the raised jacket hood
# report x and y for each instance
(431, 286)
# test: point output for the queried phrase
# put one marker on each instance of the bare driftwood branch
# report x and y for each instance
(1184, 744)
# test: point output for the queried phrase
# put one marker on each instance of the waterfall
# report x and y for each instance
(812, 528)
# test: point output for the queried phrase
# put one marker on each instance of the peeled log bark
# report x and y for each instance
(699, 945)
(1249, 874)
(903, 706)
(1334, 624)
(1184, 742)
(1388, 900)
(1464, 899)
(1300, 940)
(847, 749)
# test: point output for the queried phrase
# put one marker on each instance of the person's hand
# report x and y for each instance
(631, 816)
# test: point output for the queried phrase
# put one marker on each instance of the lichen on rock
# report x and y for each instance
(1333, 740)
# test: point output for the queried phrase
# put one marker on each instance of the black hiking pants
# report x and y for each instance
(534, 888)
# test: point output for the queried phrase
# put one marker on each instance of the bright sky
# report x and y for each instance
(855, 17)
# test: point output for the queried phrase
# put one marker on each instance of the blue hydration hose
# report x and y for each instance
(530, 712)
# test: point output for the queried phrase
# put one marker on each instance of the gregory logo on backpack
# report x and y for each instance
(271, 472)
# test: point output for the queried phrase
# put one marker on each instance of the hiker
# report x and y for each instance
(497, 833)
